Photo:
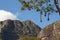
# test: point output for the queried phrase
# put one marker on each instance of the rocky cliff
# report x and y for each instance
(50, 32)
(11, 29)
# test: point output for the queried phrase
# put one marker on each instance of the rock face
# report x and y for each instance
(30, 28)
(51, 32)
(13, 29)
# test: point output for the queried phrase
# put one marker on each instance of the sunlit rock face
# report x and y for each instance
(31, 28)
(51, 32)
(4, 15)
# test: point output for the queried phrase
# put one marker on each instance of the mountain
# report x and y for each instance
(30, 28)
(13, 29)
(50, 32)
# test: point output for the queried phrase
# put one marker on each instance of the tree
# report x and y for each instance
(43, 6)
(57, 5)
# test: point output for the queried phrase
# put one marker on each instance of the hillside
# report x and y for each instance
(13, 29)
(50, 32)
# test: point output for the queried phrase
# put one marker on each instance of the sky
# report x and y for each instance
(14, 7)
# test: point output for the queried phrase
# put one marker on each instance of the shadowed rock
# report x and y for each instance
(8, 31)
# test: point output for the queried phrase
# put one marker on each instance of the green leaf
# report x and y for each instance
(31, 1)
(22, 8)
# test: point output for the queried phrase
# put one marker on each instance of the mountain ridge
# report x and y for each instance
(50, 32)
(11, 29)
(14, 29)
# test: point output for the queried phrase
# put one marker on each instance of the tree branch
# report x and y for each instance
(57, 6)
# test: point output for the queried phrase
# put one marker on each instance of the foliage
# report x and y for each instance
(0, 38)
(29, 38)
(42, 6)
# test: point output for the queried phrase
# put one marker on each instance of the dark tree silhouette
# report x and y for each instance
(43, 6)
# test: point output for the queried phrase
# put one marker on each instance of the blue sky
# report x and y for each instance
(14, 7)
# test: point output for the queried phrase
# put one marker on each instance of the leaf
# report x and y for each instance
(37, 9)
(29, 8)
(45, 14)
(49, 4)
(22, 8)
(31, 1)
(48, 19)
(56, 11)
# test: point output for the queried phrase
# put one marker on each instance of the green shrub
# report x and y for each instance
(29, 38)
(0, 38)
